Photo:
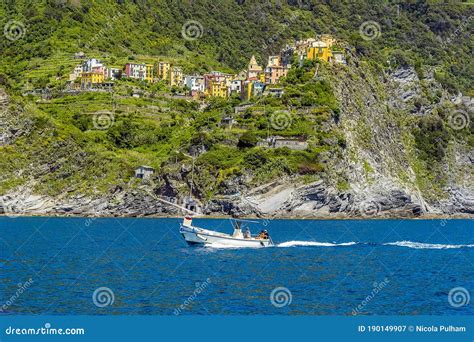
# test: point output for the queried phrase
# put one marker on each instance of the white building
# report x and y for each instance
(279, 142)
(78, 69)
(92, 64)
(194, 83)
(144, 172)
(236, 87)
(112, 73)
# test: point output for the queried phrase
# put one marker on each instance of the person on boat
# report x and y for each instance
(247, 234)
(263, 235)
(237, 231)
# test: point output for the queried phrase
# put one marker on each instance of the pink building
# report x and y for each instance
(137, 71)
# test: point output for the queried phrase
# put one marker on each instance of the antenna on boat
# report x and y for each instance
(192, 212)
(243, 220)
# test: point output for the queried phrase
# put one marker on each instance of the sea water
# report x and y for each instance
(132, 266)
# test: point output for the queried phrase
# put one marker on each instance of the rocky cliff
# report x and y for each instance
(379, 171)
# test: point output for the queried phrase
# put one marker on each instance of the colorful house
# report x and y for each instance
(195, 84)
(149, 72)
(274, 71)
(135, 71)
(176, 77)
(254, 70)
(164, 71)
(92, 64)
(319, 50)
(91, 78)
(217, 84)
(218, 89)
(258, 88)
(235, 87)
(78, 70)
(112, 73)
(252, 88)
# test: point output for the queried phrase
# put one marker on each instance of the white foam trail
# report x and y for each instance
(421, 245)
(314, 243)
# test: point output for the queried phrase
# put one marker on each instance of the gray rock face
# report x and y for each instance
(375, 167)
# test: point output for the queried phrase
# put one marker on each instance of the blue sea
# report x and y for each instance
(142, 266)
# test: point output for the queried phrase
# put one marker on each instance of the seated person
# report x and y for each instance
(247, 234)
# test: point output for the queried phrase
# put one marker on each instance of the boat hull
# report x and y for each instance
(198, 236)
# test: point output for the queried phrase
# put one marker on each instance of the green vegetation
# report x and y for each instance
(63, 146)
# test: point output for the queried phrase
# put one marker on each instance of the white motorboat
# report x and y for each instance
(199, 236)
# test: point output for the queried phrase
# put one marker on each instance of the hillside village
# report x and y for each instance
(251, 82)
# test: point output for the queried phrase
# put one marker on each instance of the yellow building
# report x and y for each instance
(164, 70)
(92, 77)
(319, 50)
(149, 72)
(218, 89)
(176, 77)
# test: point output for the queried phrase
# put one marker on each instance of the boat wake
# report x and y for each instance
(408, 244)
(421, 245)
(314, 243)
